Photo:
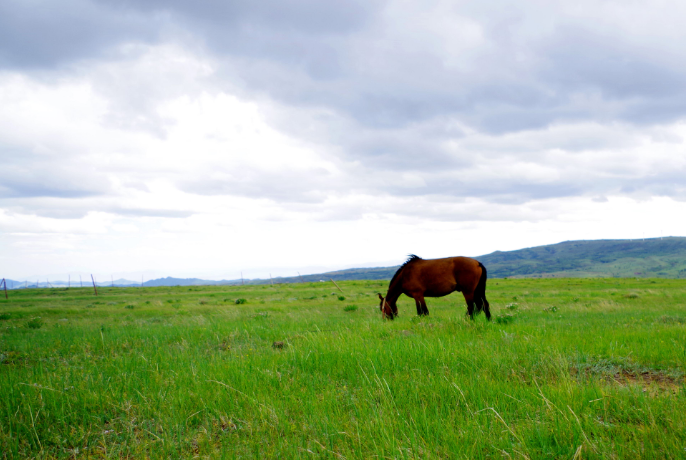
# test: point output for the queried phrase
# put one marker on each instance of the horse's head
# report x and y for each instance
(385, 307)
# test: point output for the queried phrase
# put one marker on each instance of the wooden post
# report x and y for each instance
(337, 286)
(5, 282)
(96, 290)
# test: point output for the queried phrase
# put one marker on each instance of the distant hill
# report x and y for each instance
(663, 257)
(656, 257)
(172, 281)
(15, 284)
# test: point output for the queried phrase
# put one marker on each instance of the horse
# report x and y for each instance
(434, 278)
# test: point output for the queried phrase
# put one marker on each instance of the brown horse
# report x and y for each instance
(419, 277)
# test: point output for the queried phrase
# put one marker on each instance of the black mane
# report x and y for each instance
(410, 259)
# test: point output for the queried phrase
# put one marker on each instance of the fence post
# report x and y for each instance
(96, 290)
(337, 286)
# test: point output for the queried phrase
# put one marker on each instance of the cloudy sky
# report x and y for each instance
(216, 137)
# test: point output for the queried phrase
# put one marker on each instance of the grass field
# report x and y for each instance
(569, 368)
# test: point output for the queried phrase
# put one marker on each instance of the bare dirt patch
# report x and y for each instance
(649, 380)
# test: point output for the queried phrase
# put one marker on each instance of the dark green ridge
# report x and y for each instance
(655, 258)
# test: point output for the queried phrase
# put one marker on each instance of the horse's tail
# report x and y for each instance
(481, 302)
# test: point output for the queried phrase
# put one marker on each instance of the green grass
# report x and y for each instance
(295, 373)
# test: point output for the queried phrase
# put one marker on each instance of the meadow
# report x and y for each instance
(568, 368)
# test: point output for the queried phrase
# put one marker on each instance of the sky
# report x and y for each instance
(217, 138)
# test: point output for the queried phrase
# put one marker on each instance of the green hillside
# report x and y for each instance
(657, 257)
(593, 258)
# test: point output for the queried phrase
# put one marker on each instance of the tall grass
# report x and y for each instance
(601, 376)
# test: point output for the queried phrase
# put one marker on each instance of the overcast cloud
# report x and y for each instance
(210, 137)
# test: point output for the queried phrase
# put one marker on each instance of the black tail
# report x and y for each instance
(481, 302)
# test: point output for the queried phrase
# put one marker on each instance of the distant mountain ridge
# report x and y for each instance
(656, 257)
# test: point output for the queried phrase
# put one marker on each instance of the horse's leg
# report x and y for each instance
(470, 299)
(418, 305)
(425, 311)
(486, 308)
(421, 306)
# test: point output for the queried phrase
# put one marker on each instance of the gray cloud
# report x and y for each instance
(43, 35)
(430, 103)
(350, 57)
(32, 177)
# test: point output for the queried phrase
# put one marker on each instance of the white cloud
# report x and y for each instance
(451, 128)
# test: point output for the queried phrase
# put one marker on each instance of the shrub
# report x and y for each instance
(670, 319)
(341, 298)
(5, 316)
(129, 306)
(504, 318)
(240, 301)
(351, 307)
(34, 323)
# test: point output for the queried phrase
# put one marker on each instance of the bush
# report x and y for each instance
(504, 318)
(34, 323)
(5, 316)
(240, 301)
(129, 306)
(670, 319)
(351, 307)
(341, 298)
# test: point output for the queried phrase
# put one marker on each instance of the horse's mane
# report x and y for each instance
(410, 259)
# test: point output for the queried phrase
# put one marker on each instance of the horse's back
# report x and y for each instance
(439, 277)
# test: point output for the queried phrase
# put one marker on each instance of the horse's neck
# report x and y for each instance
(394, 291)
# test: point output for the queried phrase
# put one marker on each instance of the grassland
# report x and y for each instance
(569, 368)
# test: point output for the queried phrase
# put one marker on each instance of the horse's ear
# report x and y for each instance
(381, 298)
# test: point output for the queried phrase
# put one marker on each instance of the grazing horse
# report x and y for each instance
(419, 277)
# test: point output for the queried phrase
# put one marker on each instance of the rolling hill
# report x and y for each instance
(656, 257)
